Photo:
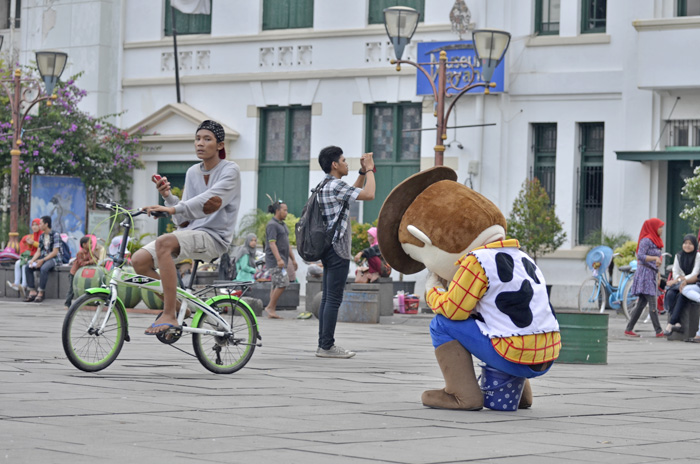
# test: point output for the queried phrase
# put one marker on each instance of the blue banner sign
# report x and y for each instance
(460, 55)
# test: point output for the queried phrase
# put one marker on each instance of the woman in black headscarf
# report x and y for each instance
(686, 267)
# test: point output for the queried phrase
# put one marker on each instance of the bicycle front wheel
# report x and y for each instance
(628, 301)
(591, 296)
(228, 354)
(86, 349)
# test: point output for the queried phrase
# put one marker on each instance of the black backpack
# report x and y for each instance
(313, 238)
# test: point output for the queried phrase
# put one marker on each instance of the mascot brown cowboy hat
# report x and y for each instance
(433, 204)
(431, 220)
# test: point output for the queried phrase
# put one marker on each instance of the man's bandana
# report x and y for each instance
(218, 132)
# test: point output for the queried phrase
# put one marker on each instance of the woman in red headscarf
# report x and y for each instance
(29, 243)
(645, 285)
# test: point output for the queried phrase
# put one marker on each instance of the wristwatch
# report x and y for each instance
(362, 173)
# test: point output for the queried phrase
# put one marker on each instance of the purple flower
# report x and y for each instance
(73, 128)
(35, 153)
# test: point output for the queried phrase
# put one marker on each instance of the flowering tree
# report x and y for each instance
(63, 140)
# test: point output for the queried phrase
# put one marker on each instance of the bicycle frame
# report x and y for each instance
(614, 292)
(119, 276)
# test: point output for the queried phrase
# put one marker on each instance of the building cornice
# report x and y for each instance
(278, 35)
(555, 40)
(664, 24)
(271, 76)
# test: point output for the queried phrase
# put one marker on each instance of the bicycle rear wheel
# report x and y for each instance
(85, 349)
(226, 355)
(591, 295)
(628, 301)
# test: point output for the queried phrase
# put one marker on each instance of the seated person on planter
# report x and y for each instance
(376, 266)
(686, 266)
(85, 257)
(27, 247)
(47, 257)
(245, 259)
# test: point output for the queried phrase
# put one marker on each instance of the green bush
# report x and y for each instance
(359, 237)
(598, 237)
(628, 252)
(256, 221)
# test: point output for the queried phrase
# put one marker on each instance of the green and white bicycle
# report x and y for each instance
(224, 328)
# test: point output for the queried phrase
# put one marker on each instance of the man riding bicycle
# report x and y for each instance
(205, 217)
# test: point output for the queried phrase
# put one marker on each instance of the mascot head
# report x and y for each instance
(431, 220)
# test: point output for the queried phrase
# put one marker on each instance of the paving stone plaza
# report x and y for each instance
(156, 404)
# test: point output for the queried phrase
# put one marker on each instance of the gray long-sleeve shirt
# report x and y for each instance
(210, 201)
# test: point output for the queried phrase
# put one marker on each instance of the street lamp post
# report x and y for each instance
(490, 46)
(51, 65)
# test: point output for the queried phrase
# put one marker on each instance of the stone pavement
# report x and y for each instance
(156, 404)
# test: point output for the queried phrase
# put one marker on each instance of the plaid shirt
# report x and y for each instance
(332, 198)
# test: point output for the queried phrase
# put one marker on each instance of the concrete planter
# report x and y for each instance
(288, 301)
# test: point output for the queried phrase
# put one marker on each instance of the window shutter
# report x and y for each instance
(186, 23)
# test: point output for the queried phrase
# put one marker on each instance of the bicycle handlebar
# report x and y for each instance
(157, 214)
(113, 206)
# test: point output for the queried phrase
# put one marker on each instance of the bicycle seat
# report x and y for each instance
(631, 267)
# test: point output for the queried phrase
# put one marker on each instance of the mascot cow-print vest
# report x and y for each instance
(516, 302)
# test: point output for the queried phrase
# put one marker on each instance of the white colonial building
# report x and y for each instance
(600, 101)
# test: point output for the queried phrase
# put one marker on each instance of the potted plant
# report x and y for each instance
(533, 221)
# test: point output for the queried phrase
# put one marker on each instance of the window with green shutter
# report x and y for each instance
(393, 137)
(186, 23)
(593, 16)
(688, 8)
(545, 148)
(377, 7)
(287, 14)
(285, 151)
(590, 200)
(547, 17)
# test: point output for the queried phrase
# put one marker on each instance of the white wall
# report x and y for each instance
(627, 78)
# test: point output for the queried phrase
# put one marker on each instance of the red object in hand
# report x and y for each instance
(156, 178)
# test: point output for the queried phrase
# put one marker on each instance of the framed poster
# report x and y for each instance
(64, 199)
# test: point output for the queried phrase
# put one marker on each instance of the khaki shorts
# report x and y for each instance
(194, 244)
(279, 277)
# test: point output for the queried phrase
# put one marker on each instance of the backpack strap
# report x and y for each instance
(342, 210)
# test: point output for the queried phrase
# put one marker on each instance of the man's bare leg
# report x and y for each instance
(166, 246)
(275, 295)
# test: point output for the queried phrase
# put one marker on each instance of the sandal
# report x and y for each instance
(30, 298)
(39, 299)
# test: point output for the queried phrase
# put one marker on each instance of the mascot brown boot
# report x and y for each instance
(461, 388)
(526, 398)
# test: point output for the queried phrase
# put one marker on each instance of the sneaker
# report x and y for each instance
(629, 333)
(660, 334)
(13, 286)
(334, 352)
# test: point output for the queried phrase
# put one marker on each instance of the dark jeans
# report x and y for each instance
(676, 309)
(671, 297)
(335, 274)
(69, 297)
(44, 275)
(637, 311)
